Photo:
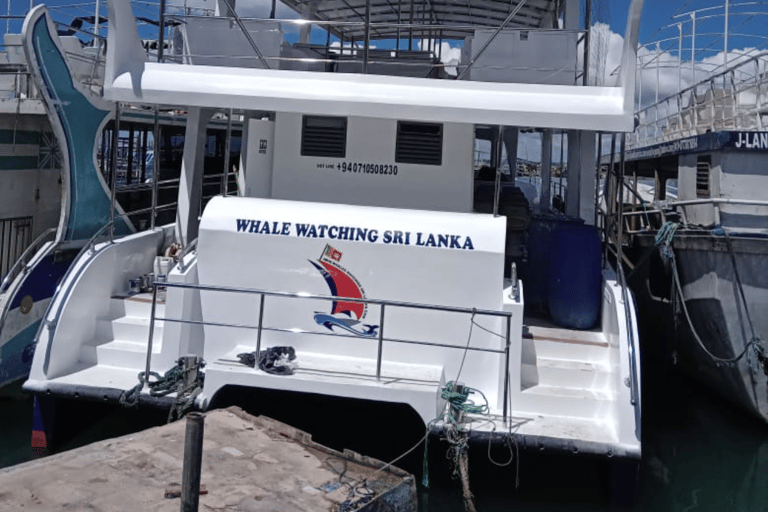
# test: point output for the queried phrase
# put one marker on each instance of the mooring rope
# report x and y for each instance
(664, 241)
(171, 381)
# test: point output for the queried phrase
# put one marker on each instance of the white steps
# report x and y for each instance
(122, 340)
(565, 373)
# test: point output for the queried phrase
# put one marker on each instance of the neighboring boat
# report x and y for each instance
(75, 134)
(376, 172)
(698, 259)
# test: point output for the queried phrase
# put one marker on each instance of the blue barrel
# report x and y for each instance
(575, 277)
(536, 270)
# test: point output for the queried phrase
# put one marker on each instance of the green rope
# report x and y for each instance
(459, 400)
(664, 237)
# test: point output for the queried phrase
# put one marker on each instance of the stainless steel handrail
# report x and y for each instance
(275, 293)
(11, 275)
(381, 339)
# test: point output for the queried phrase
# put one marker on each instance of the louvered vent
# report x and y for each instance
(419, 143)
(703, 165)
(324, 136)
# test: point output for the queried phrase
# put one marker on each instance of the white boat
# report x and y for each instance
(356, 246)
(698, 258)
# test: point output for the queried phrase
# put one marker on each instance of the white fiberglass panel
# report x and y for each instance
(413, 256)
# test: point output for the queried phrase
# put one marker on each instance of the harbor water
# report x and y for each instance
(699, 453)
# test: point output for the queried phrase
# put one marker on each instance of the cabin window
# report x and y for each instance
(703, 165)
(324, 136)
(419, 143)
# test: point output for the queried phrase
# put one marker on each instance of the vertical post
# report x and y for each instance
(367, 35)
(95, 22)
(227, 146)
(144, 137)
(381, 344)
(725, 40)
(161, 32)
(680, 55)
(113, 171)
(399, 21)
(506, 365)
(155, 166)
(497, 187)
(131, 147)
(546, 170)
(148, 365)
(611, 201)
(597, 173)
(410, 28)
(193, 460)
(693, 48)
(620, 236)
(258, 331)
(587, 27)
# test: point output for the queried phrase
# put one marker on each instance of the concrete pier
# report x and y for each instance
(249, 464)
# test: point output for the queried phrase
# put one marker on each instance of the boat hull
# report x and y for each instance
(718, 317)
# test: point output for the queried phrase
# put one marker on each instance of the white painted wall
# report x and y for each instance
(213, 41)
(520, 56)
(447, 187)
(744, 176)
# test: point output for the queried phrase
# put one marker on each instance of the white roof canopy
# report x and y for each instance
(130, 78)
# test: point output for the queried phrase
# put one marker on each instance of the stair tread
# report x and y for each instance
(573, 365)
(566, 392)
(127, 345)
(136, 320)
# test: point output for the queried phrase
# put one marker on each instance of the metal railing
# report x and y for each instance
(260, 327)
(733, 99)
(21, 262)
(352, 51)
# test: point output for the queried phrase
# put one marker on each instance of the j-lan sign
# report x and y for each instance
(355, 234)
(752, 140)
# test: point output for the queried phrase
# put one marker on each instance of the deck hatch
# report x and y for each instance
(324, 136)
(419, 143)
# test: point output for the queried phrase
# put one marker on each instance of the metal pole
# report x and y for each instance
(587, 26)
(151, 332)
(193, 460)
(227, 142)
(693, 47)
(609, 201)
(367, 35)
(497, 188)
(161, 32)
(680, 55)
(381, 343)
(113, 171)
(410, 30)
(597, 172)
(725, 37)
(155, 166)
(95, 22)
(506, 366)
(490, 40)
(399, 21)
(620, 237)
(258, 331)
